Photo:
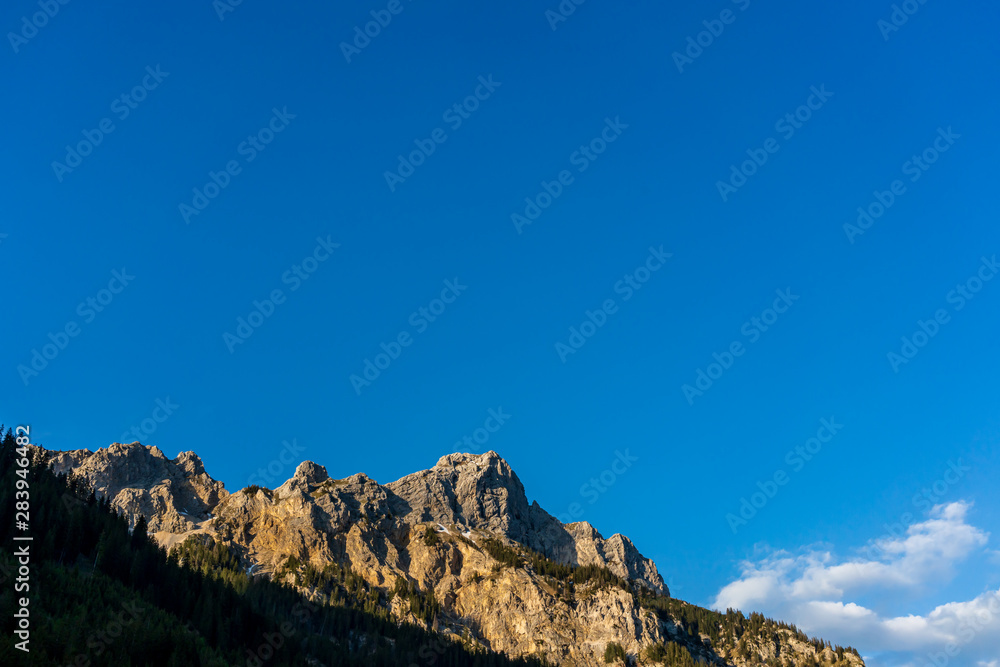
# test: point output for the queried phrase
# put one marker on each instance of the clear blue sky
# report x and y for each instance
(607, 69)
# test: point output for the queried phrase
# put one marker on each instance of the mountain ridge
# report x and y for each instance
(506, 575)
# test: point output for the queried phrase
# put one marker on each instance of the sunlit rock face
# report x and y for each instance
(427, 528)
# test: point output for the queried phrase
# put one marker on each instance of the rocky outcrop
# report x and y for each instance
(479, 491)
(175, 495)
(483, 492)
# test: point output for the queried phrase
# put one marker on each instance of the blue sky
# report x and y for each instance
(592, 120)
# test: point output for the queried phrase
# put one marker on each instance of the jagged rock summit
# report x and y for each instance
(476, 491)
(483, 492)
(174, 495)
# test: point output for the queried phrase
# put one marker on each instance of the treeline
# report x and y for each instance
(667, 653)
(670, 653)
(578, 575)
(338, 584)
(101, 595)
(732, 631)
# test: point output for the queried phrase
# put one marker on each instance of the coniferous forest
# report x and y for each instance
(100, 595)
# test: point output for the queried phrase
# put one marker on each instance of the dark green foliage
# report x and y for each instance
(727, 631)
(500, 552)
(655, 653)
(195, 607)
(423, 605)
(614, 652)
(290, 566)
(670, 653)
(139, 533)
(600, 575)
(430, 536)
(202, 554)
(570, 575)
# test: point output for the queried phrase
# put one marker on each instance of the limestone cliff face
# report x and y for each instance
(431, 529)
(482, 492)
(174, 495)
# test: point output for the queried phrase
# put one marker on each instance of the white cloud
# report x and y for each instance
(814, 589)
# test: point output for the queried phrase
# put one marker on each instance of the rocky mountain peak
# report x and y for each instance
(480, 491)
(312, 473)
(461, 458)
(174, 495)
(189, 462)
(483, 492)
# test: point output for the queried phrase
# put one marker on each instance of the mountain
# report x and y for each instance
(81, 587)
(456, 549)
